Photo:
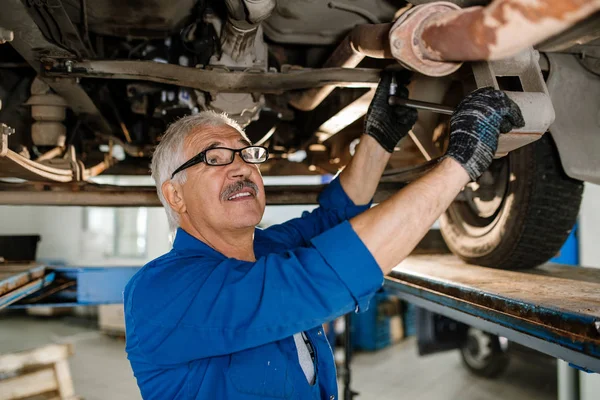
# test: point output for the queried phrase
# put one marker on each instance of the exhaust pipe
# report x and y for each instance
(435, 38)
(501, 30)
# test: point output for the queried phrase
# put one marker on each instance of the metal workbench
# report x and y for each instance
(28, 285)
(18, 281)
(554, 309)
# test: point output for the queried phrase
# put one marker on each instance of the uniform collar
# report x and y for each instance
(186, 243)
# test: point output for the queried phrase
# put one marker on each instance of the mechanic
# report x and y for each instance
(235, 312)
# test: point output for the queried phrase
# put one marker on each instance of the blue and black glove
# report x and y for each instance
(388, 124)
(475, 126)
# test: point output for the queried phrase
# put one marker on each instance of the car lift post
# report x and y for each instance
(568, 381)
(347, 376)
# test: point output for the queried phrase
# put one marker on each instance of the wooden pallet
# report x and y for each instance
(42, 373)
(111, 319)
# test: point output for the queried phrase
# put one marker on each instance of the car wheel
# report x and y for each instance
(483, 354)
(518, 214)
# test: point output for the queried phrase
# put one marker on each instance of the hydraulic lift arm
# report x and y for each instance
(554, 309)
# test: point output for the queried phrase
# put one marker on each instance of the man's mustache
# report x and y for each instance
(237, 186)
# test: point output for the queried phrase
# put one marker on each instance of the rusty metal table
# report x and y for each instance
(554, 309)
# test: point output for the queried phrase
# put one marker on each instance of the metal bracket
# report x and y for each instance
(524, 65)
(5, 130)
(3, 142)
(534, 100)
(76, 165)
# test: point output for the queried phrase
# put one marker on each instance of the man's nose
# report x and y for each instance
(239, 168)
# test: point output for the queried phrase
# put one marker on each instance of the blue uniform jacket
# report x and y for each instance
(200, 325)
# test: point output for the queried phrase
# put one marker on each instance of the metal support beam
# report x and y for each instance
(218, 80)
(85, 194)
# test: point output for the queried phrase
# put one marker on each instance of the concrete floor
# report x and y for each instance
(101, 371)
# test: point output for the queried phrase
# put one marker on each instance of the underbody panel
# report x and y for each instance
(106, 78)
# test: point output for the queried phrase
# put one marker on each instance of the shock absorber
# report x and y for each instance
(48, 110)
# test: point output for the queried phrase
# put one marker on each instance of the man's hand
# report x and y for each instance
(385, 125)
(393, 228)
(388, 124)
(475, 126)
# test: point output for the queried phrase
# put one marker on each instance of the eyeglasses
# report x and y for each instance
(218, 156)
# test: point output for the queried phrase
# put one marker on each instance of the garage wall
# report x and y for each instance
(589, 251)
(18, 219)
(25, 220)
(64, 237)
(589, 224)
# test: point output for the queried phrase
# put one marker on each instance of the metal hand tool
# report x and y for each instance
(420, 105)
(394, 100)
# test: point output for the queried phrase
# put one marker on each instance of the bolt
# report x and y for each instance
(6, 35)
(6, 130)
(69, 65)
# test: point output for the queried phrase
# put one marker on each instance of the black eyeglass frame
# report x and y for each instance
(201, 157)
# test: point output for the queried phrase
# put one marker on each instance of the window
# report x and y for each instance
(116, 232)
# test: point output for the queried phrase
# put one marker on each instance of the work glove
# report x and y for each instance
(388, 124)
(475, 126)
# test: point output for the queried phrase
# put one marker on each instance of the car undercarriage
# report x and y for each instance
(88, 88)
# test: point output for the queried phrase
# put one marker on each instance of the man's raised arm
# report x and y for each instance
(392, 229)
(351, 193)
(385, 126)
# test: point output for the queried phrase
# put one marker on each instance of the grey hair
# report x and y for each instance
(168, 155)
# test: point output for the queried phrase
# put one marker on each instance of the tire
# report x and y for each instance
(518, 214)
(483, 355)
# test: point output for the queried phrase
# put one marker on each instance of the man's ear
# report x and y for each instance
(172, 194)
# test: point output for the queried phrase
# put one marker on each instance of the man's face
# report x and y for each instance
(213, 195)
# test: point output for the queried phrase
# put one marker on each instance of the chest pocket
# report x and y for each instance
(262, 371)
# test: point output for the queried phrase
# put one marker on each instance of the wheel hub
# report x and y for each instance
(478, 347)
(484, 197)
